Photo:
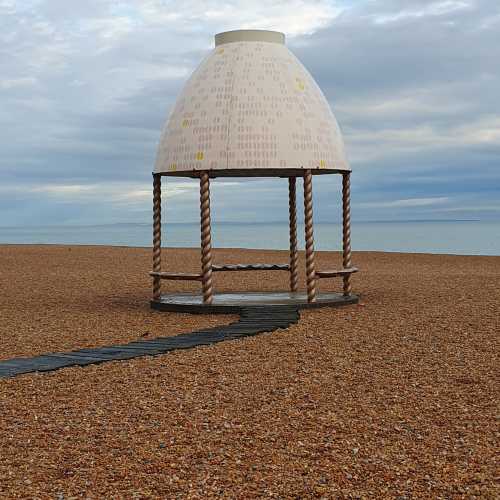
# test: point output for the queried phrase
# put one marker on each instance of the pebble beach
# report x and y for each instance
(395, 397)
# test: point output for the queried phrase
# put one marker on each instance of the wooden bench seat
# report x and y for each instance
(336, 273)
(220, 268)
(249, 267)
(176, 276)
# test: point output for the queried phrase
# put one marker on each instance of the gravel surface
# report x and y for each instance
(396, 397)
(55, 298)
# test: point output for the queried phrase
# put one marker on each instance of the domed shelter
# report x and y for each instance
(251, 109)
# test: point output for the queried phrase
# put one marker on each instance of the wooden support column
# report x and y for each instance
(346, 230)
(156, 235)
(294, 257)
(309, 234)
(206, 239)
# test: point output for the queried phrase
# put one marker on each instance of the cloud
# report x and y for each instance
(85, 88)
(113, 192)
(431, 9)
(474, 208)
(13, 83)
(411, 202)
(298, 16)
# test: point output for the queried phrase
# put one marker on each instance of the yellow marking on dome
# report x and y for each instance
(220, 51)
(185, 123)
(300, 84)
(322, 164)
(172, 167)
(199, 155)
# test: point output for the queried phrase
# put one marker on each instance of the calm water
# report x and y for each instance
(454, 237)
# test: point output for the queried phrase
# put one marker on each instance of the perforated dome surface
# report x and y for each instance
(251, 108)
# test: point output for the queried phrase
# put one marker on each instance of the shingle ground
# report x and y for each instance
(396, 397)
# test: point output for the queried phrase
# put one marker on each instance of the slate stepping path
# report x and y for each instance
(253, 320)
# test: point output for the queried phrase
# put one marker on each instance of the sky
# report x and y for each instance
(85, 88)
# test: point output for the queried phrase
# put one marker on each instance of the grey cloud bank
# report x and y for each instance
(85, 89)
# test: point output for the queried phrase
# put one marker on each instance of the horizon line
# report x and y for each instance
(368, 221)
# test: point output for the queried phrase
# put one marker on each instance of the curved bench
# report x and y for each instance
(337, 273)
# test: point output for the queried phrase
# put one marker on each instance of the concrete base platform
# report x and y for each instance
(230, 303)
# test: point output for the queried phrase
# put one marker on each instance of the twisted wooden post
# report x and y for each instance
(346, 230)
(308, 216)
(294, 257)
(156, 235)
(206, 239)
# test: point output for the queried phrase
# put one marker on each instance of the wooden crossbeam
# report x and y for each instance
(336, 273)
(176, 276)
(250, 267)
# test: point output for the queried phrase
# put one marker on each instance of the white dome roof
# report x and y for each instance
(251, 108)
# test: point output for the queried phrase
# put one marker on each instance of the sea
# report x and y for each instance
(440, 237)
